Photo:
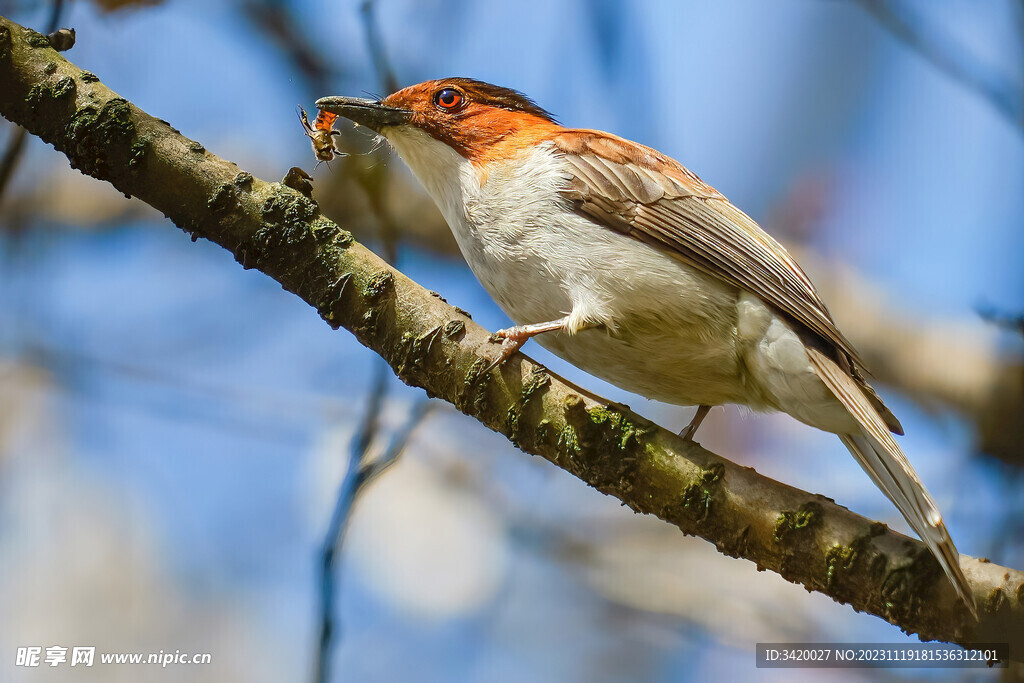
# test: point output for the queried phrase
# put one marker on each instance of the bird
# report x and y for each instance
(623, 262)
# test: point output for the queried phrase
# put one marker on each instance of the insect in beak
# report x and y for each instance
(321, 135)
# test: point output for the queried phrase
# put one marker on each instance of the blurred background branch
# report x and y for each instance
(276, 20)
(927, 37)
(361, 471)
(375, 44)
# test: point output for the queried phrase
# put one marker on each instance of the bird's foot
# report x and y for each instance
(698, 418)
(513, 338)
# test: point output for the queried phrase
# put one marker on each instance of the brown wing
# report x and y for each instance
(640, 192)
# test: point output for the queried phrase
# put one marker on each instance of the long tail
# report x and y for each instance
(880, 456)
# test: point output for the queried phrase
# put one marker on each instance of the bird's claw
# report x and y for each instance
(698, 418)
(688, 433)
(511, 341)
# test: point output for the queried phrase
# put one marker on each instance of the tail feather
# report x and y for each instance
(890, 420)
(878, 453)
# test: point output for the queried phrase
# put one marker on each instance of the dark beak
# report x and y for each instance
(369, 113)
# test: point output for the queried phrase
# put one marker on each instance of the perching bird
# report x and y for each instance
(624, 263)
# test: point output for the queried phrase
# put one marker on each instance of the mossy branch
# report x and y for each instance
(805, 538)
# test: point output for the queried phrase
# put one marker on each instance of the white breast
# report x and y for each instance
(666, 331)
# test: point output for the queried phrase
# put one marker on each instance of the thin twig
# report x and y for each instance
(930, 41)
(359, 474)
(350, 486)
(375, 44)
(374, 182)
(1018, 18)
(9, 160)
(1007, 320)
(417, 414)
(55, 11)
(278, 22)
(193, 393)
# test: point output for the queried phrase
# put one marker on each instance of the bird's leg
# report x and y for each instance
(513, 338)
(698, 417)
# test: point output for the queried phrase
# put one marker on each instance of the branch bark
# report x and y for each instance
(805, 538)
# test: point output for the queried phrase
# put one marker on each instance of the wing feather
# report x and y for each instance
(638, 191)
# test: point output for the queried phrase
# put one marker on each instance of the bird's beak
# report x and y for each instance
(369, 113)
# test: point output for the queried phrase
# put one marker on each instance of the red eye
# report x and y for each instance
(449, 98)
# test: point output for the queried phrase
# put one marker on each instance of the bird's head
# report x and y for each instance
(475, 119)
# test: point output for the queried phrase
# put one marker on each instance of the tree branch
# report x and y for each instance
(805, 538)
